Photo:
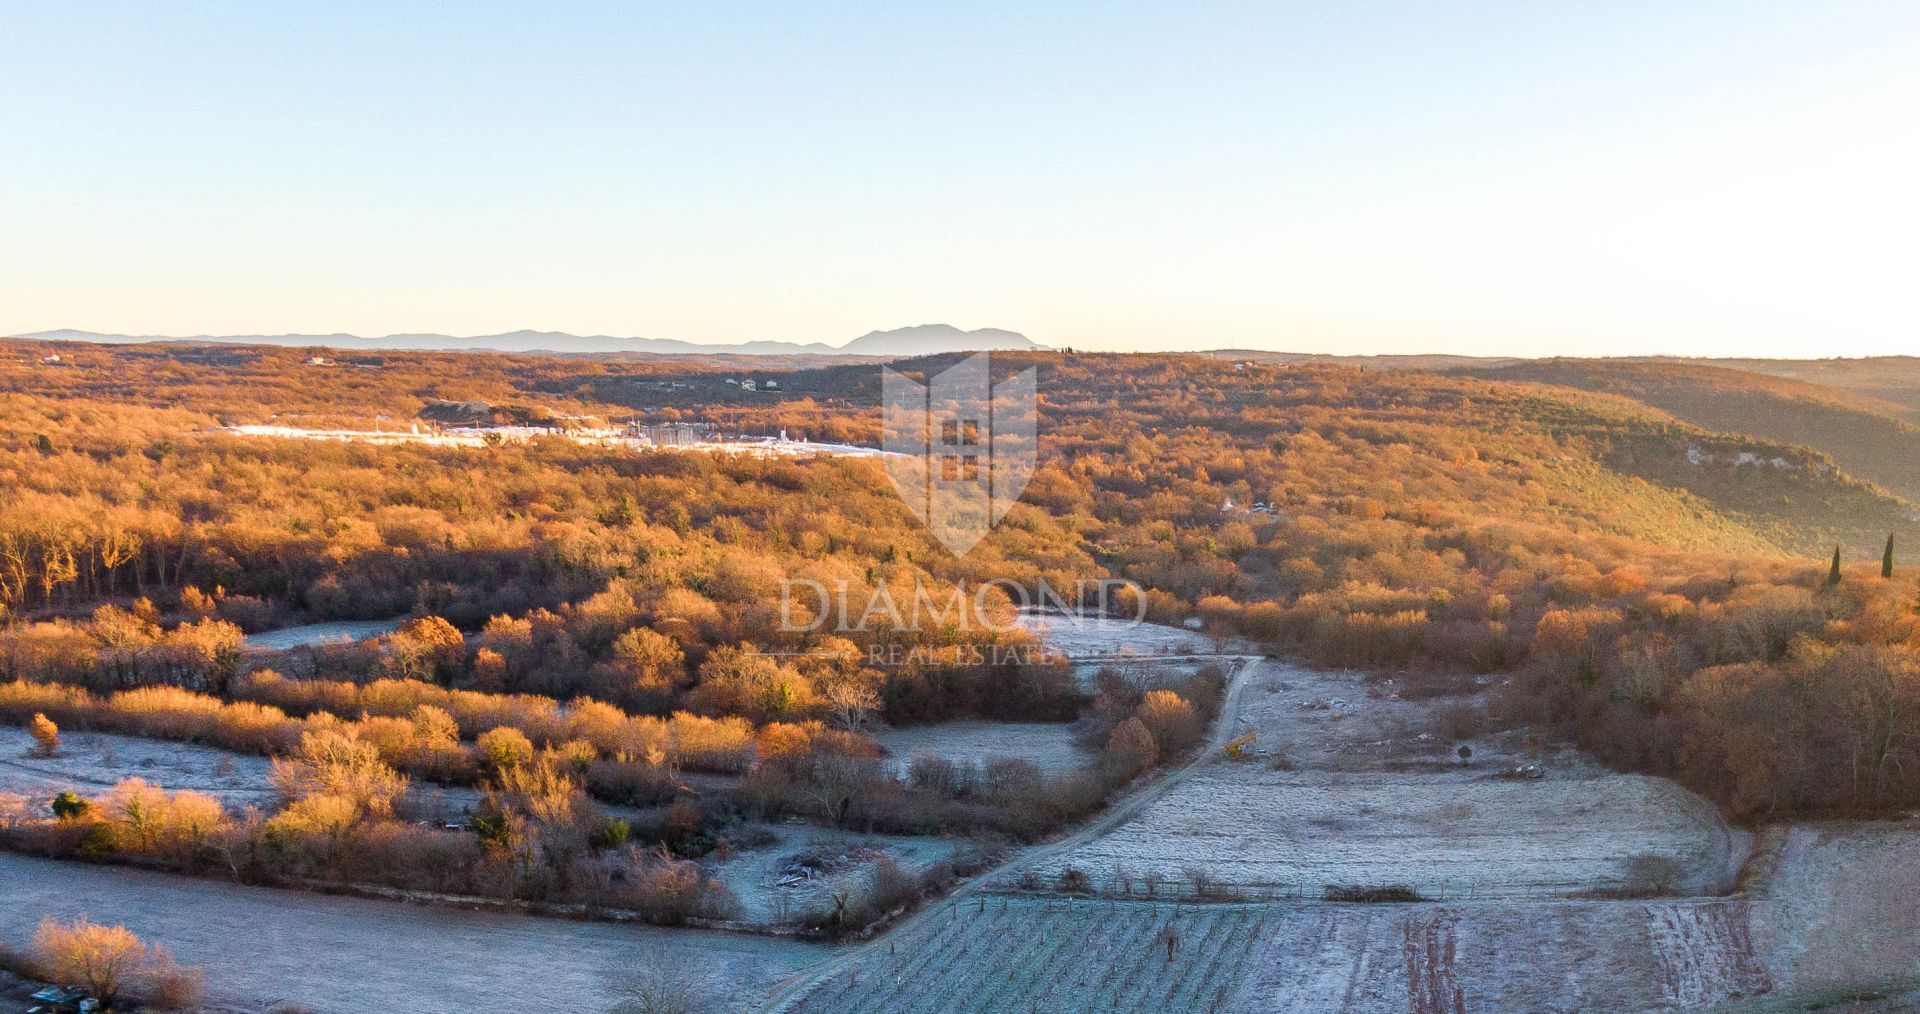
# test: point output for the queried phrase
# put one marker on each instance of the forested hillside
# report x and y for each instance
(1658, 589)
(1893, 379)
(1866, 436)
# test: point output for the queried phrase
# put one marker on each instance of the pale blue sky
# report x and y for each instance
(1557, 178)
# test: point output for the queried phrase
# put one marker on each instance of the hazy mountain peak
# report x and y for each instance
(930, 339)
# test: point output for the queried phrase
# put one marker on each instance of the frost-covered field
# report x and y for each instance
(1103, 637)
(1049, 745)
(264, 946)
(341, 632)
(1025, 954)
(1351, 785)
(89, 763)
(1340, 720)
(755, 874)
(1444, 835)
(1146, 654)
(1843, 902)
(1572, 956)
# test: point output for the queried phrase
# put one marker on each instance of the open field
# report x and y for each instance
(1444, 835)
(1082, 637)
(1048, 745)
(1342, 720)
(1835, 917)
(263, 946)
(837, 859)
(89, 763)
(339, 632)
(1146, 654)
(1349, 786)
(1024, 953)
(1378, 799)
(1845, 903)
(1573, 956)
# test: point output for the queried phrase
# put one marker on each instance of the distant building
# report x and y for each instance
(671, 434)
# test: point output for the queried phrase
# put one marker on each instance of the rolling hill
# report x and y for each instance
(1866, 437)
(922, 339)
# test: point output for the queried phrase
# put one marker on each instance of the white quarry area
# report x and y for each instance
(608, 436)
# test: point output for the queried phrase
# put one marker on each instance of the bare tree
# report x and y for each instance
(849, 703)
(101, 958)
(658, 985)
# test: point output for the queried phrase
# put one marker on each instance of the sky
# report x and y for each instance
(1499, 179)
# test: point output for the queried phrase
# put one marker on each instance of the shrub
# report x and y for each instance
(1170, 719)
(1650, 875)
(333, 762)
(148, 819)
(171, 987)
(659, 985)
(68, 806)
(1130, 750)
(46, 735)
(1386, 893)
(505, 747)
(632, 783)
(103, 959)
(669, 892)
(611, 835)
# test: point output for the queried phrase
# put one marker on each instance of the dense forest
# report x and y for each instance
(1660, 591)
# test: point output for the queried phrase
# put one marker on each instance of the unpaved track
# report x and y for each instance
(1225, 727)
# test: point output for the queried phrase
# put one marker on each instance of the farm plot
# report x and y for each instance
(89, 763)
(1049, 746)
(799, 870)
(261, 947)
(1026, 954)
(1350, 785)
(1842, 905)
(1443, 835)
(1445, 959)
(1342, 720)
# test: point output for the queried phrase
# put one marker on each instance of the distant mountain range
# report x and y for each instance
(924, 339)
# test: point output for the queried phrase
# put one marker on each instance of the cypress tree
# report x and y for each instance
(1886, 559)
(1833, 575)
